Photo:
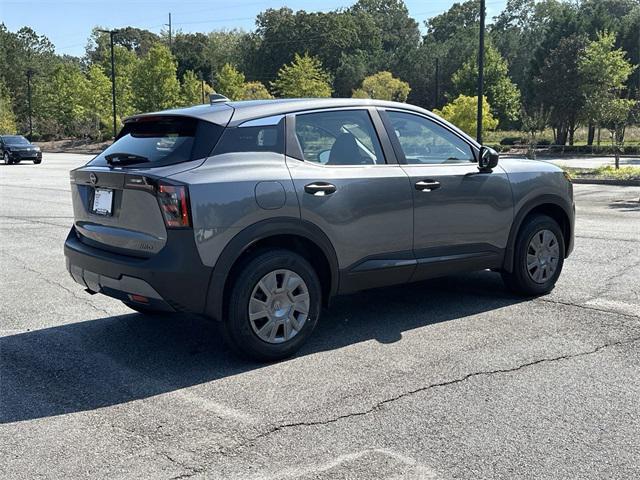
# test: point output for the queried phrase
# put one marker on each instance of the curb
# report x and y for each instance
(606, 181)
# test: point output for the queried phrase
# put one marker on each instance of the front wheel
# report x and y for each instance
(37, 162)
(538, 257)
(274, 305)
(6, 159)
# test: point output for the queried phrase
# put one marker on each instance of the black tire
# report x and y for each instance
(236, 327)
(519, 280)
(6, 159)
(144, 309)
(37, 162)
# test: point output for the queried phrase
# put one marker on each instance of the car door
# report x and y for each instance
(350, 185)
(462, 216)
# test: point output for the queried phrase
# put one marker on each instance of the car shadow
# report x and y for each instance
(626, 205)
(108, 361)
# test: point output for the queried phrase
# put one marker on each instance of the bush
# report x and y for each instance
(513, 141)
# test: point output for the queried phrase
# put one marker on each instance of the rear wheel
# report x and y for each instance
(274, 305)
(538, 257)
(6, 159)
(37, 162)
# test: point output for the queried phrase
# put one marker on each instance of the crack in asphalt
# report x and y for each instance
(378, 406)
(42, 276)
(587, 307)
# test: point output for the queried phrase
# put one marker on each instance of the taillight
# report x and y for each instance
(174, 203)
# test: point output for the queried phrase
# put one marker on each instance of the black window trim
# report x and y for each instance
(294, 150)
(382, 111)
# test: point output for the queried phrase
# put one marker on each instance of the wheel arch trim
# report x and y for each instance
(254, 233)
(525, 210)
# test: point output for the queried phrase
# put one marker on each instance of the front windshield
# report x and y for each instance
(15, 140)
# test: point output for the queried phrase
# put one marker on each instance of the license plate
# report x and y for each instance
(102, 201)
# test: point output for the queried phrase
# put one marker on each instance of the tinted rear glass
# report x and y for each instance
(160, 141)
(266, 138)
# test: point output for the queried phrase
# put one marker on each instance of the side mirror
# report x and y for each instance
(488, 159)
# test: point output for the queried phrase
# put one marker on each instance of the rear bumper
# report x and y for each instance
(173, 279)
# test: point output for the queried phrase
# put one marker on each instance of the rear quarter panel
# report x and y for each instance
(232, 191)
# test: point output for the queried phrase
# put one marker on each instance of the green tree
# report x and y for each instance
(304, 77)
(383, 86)
(502, 93)
(7, 118)
(230, 82)
(462, 112)
(559, 87)
(59, 105)
(606, 71)
(97, 102)
(255, 91)
(155, 86)
(191, 89)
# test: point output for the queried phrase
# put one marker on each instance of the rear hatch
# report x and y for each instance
(123, 201)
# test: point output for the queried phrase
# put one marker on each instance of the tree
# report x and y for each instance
(230, 82)
(7, 118)
(462, 112)
(383, 86)
(559, 87)
(606, 71)
(155, 85)
(190, 51)
(59, 104)
(191, 89)
(97, 101)
(255, 91)
(502, 94)
(304, 77)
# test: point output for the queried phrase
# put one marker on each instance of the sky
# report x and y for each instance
(68, 23)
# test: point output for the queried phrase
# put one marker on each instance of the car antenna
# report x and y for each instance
(217, 98)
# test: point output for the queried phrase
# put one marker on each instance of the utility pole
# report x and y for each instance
(169, 25)
(29, 75)
(480, 72)
(113, 76)
(437, 92)
(202, 86)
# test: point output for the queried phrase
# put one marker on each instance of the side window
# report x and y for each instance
(268, 138)
(426, 142)
(341, 137)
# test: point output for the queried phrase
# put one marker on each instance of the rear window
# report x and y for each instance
(160, 141)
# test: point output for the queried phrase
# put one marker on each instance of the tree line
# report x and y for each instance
(549, 63)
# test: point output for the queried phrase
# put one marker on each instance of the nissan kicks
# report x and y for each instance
(257, 213)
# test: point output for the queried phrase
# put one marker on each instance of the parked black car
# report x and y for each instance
(15, 148)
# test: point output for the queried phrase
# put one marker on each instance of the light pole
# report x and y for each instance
(480, 72)
(29, 75)
(113, 76)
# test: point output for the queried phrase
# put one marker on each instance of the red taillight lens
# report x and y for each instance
(174, 203)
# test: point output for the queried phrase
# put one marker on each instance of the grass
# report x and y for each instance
(607, 172)
(631, 137)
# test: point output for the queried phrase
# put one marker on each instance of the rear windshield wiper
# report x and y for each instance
(125, 159)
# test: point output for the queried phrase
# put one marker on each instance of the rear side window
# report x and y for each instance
(265, 138)
(160, 141)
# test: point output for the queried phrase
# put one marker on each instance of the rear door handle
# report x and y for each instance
(320, 189)
(427, 185)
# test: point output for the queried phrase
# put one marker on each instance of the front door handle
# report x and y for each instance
(320, 189)
(427, 185)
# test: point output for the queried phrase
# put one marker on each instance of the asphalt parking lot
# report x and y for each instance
(453, 378)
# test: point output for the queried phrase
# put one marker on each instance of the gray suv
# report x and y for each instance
(257, 213)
